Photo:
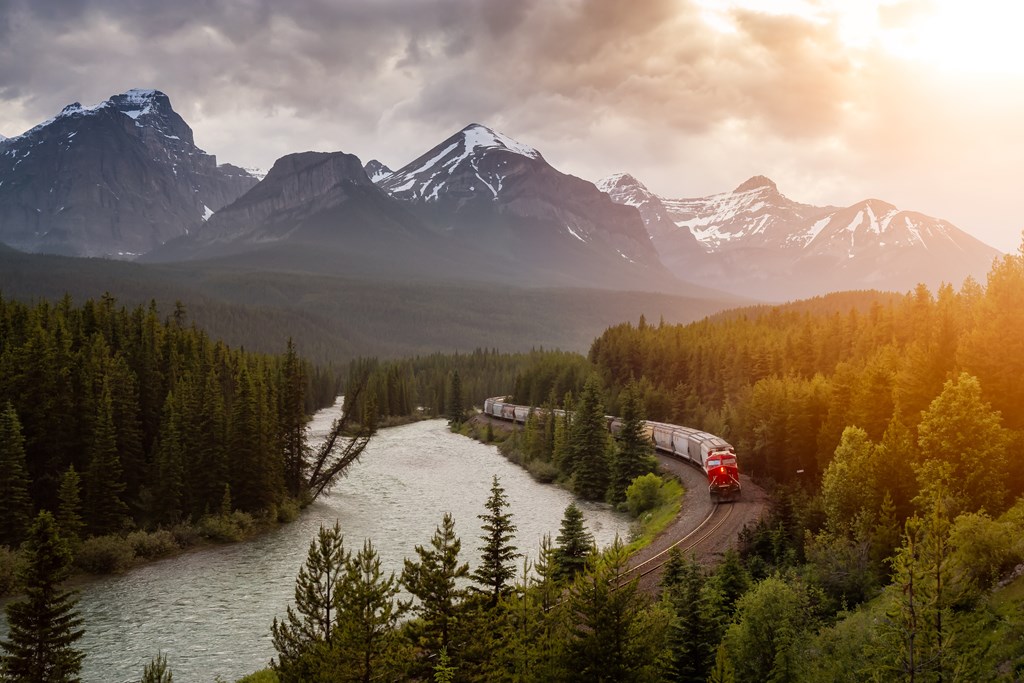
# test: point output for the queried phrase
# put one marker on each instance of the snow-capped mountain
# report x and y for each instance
(113, 179)
(482, 185)
(756, 241)
(376, 171)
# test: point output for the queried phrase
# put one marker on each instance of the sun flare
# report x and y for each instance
(947, 36)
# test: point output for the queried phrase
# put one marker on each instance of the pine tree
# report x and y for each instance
(695, 632)
(588, 445)
(157, 671)
(634, 453)
(433, 581)
(44, 626)
(614, 634)
(15, 503)
(366, 642)
(497, 567)
(69, 509)
(306, 631)
(455, 410)
(105, 512)
(293, 421)
(574, 545)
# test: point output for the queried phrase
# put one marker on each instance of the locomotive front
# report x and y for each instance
(723, 475)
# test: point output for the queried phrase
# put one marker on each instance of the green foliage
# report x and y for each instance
(143, 411)
(772, 620)
(634, 450)
(586, 458)
(303, 637)
(849, 485)
(961, 431)
(434, 579)
(110, 554)
(150, 545)
(44, 626)
(157, 671)
(614, 633)
(699, 619)
(11, 563)
(574, 544)
(645, 493)
(226, 528)
(15, 504)
(453, 401)
(497, 554)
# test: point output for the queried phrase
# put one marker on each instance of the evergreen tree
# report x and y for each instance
(105, 511)
(15, 503)
(433, 580)
(497, 568)
(574, 545)
(69, 509)
(303, 636)
(588, 445)
(695, 631)
(293, 422)
(44, 626)
(634, 452)
(366, 644)
(454, 408)
(157, 671)
(613, 632)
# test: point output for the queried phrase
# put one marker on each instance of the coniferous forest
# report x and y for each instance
(115, 419)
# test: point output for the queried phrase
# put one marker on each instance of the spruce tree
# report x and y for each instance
(454, 408)
(105, 512)
(157, 671)
(69, 508)
(293, 422)
(15, 503)
(588, 445)
(695, 631)
(432, 579)
(497, 562)
(574, 545)
(634, 451)
(44, 626)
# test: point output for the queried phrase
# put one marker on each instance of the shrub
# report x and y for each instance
(644, 494)
(10, 563)
(226, 528)
(264, 676)
(287, 511)
(152, 545)
(542, 471)
(104, 555)
(185, 535)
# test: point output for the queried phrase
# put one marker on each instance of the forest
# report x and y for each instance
(118, 421)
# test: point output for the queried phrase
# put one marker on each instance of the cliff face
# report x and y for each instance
(115, 179)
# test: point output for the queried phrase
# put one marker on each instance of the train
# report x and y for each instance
(712, 454)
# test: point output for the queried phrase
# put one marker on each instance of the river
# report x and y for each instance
(210, 610)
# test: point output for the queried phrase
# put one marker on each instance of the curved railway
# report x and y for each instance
(705, 527)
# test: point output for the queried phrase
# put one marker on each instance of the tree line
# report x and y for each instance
(114, 419)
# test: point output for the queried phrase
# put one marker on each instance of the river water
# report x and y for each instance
(210, 611)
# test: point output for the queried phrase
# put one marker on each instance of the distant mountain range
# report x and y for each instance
(756, 240)
(124, 178)
(115, 179)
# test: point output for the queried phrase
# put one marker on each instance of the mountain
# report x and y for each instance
(114, 179)
(755, 241)
(482, 187)
(376, 170)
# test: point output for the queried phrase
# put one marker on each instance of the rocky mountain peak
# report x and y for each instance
(376, 170)
(756, 183)
(480, 137)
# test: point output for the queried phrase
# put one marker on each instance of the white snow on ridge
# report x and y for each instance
(477, 136)
(410, 177)
(574, 233)
(207, 212)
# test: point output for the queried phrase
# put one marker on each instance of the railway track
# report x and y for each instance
(705, 530)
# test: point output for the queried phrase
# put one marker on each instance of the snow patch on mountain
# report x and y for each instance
(481, 137)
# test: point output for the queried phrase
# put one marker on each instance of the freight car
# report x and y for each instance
(712, 454)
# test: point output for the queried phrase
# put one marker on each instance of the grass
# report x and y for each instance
(653, 522)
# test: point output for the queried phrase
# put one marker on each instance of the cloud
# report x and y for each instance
(597, 85)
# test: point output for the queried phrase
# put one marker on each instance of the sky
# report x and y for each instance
(916, 102)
